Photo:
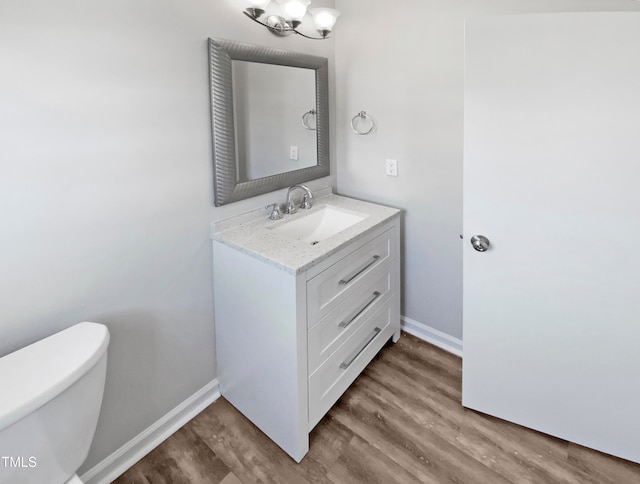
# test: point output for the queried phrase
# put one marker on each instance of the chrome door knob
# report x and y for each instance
(480, 243)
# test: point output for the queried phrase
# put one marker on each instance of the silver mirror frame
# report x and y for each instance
(226, 187)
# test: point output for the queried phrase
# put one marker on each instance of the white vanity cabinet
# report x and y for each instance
(290, 342)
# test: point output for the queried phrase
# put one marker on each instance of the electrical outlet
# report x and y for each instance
(391, 167)
(293, 153)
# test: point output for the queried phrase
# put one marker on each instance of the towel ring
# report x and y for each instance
(305, 119)
(363, 115)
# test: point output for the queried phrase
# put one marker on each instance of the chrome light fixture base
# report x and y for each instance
(279, 25)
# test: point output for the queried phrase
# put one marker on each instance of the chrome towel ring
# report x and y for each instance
(305, 119)
(364, 116)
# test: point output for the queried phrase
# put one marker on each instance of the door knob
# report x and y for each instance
(480, 243)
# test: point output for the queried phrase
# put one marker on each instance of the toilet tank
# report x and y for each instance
(49, 404)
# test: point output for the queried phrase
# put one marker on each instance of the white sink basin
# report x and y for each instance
(319, 224)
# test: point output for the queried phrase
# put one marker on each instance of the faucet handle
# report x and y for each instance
(306, 201)
(276, 213)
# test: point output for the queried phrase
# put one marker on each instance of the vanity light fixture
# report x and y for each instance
(293, 12)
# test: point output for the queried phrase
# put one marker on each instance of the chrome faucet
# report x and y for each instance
(306, 199)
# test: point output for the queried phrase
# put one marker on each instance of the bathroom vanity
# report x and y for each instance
(302, 305)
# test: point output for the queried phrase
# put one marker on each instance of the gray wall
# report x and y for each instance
(106, 188)
(403, 62)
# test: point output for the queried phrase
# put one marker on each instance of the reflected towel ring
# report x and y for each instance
(363, 115)
(305, 119)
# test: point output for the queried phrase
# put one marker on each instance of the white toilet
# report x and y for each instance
(50, 397)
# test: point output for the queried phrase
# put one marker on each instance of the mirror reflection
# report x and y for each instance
(274, 120)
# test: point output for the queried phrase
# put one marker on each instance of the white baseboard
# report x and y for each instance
(432, 335)
(143, 443)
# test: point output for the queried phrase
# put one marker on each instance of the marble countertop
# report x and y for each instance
(251, 233)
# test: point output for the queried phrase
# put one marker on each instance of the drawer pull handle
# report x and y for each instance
(347, 364)
(344, 282)
(344, 324)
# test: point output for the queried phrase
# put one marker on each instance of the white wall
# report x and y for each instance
(403, 62)
(106, 188)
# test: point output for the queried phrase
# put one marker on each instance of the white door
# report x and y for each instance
(552, 180)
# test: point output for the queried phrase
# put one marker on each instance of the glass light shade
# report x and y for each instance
(324, 18)
(258, 3)
(294, 9)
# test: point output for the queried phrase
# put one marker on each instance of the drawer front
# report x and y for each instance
(329, 288)
(335, 328)
(335, 375)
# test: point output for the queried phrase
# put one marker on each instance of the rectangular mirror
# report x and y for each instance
(270, 119)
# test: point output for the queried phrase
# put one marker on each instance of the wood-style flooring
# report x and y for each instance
(400, 422)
